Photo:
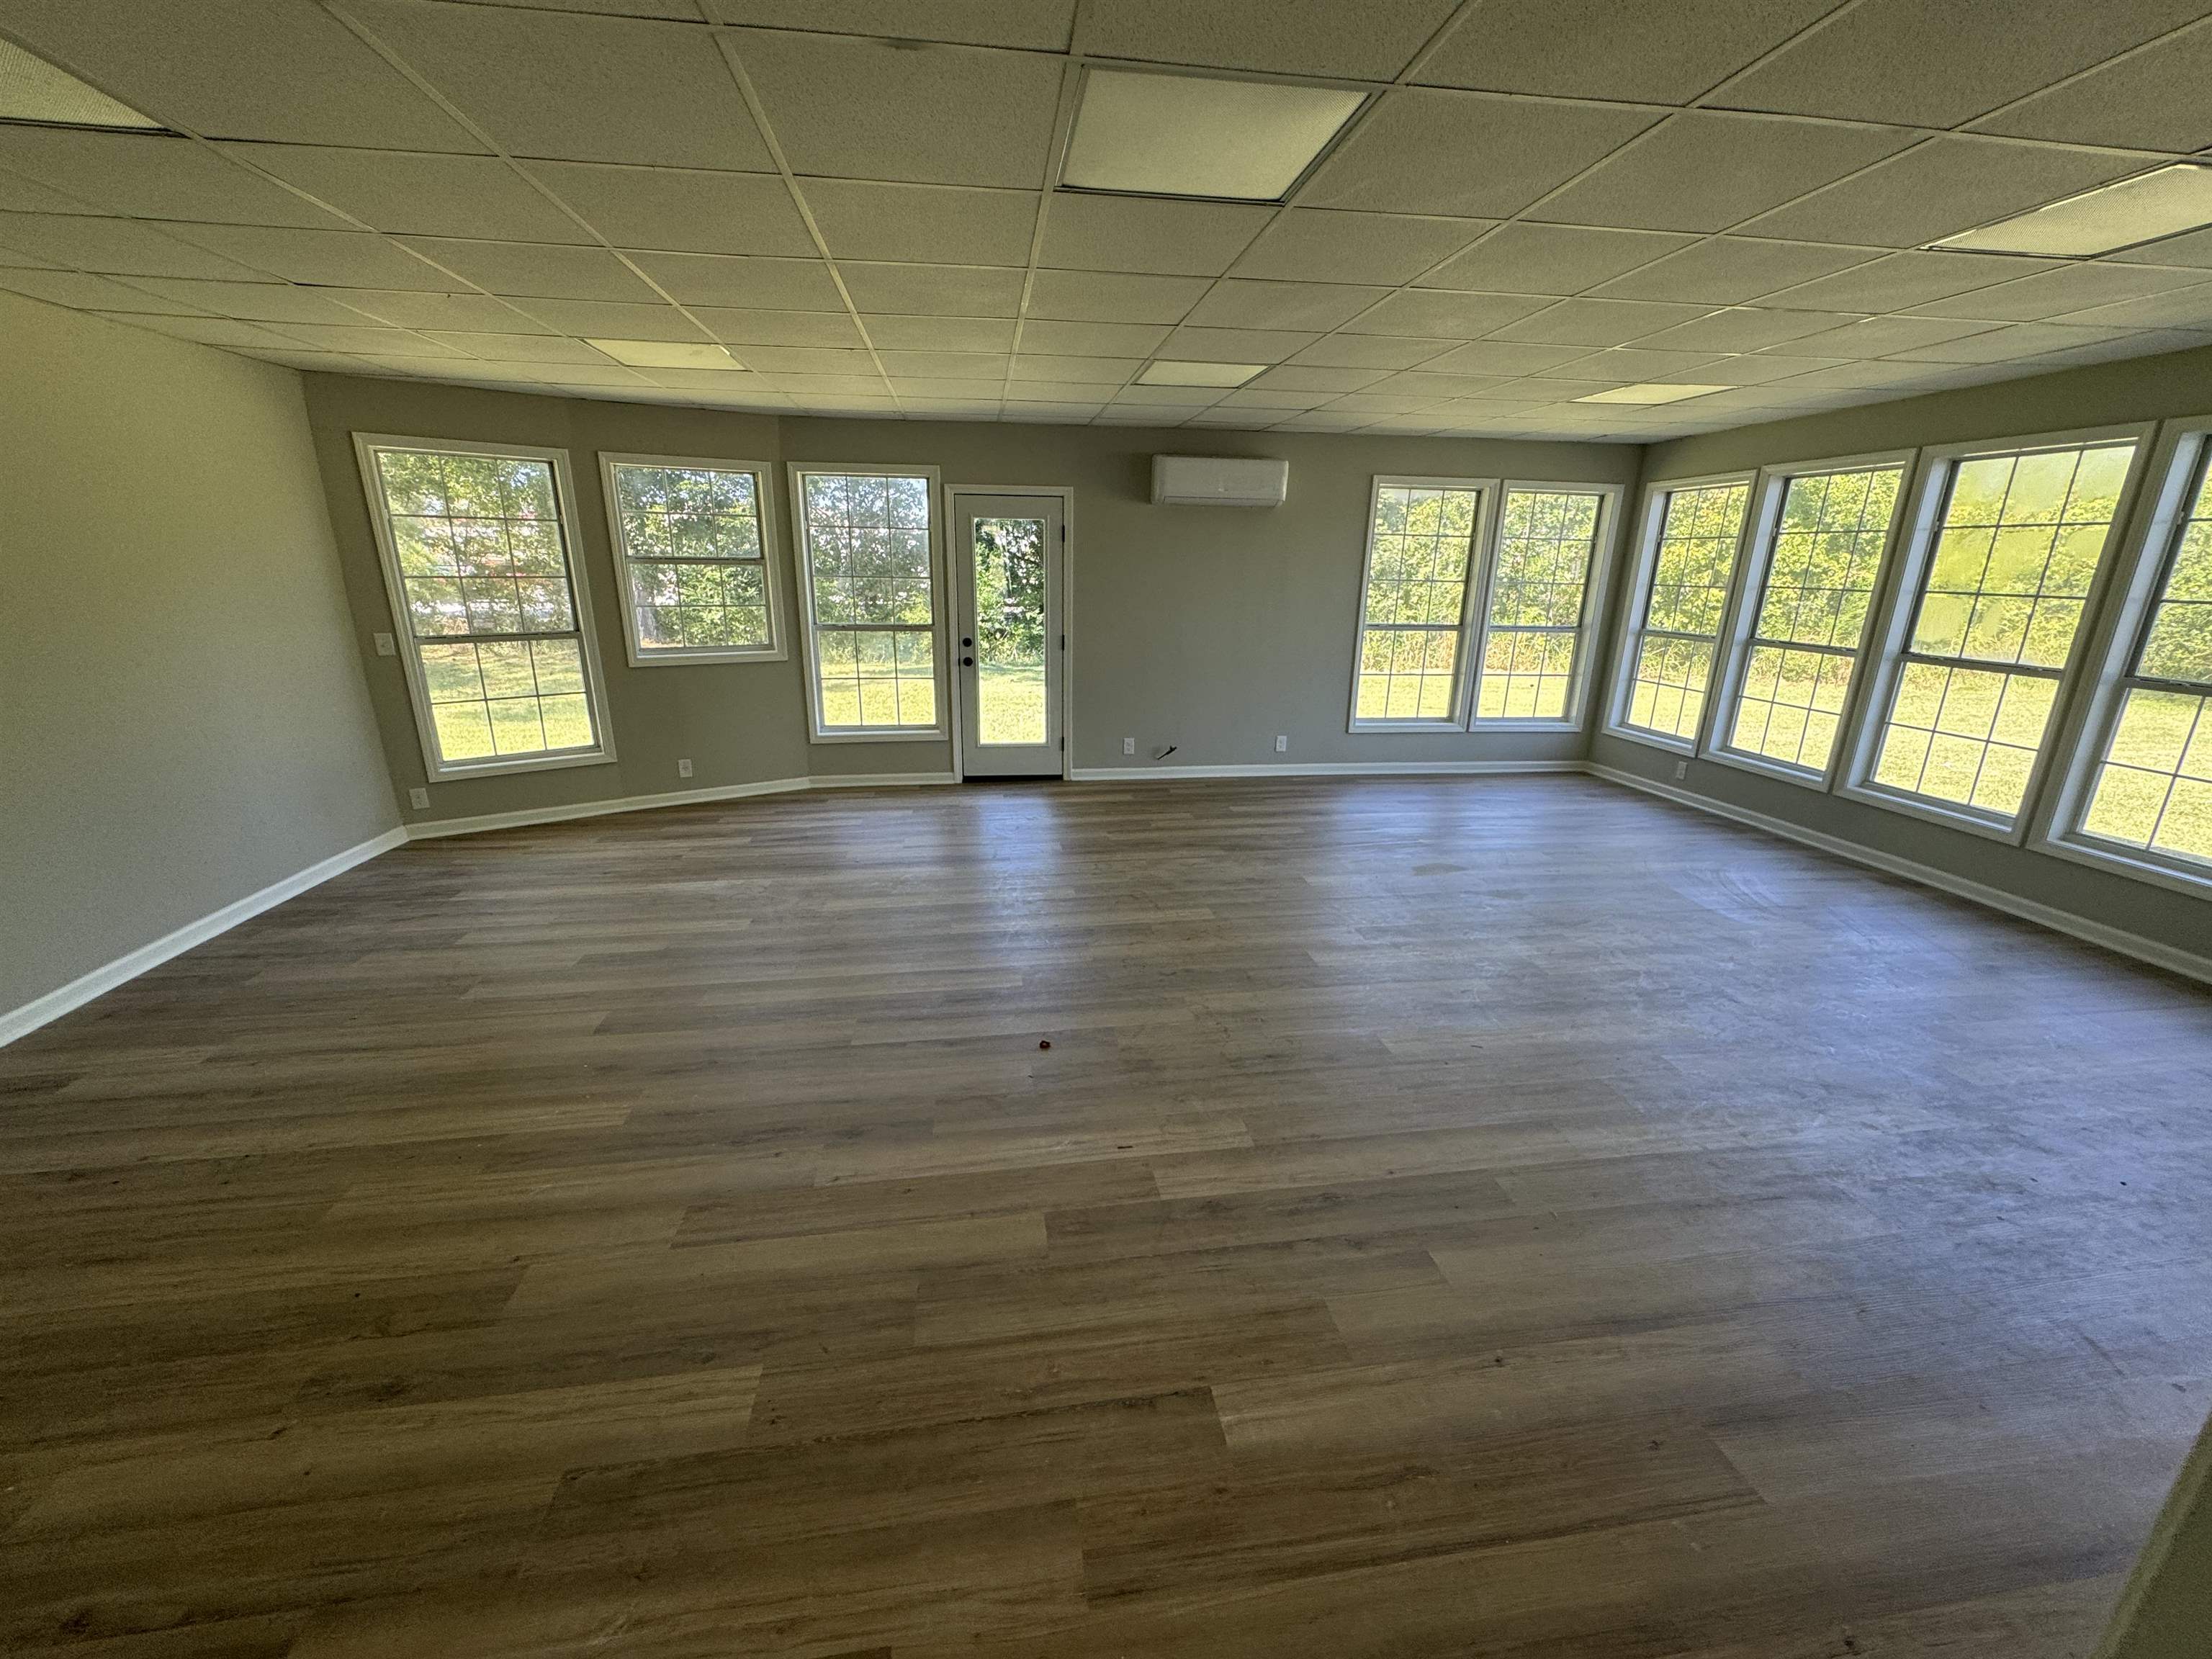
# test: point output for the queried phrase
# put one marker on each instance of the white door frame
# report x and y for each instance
(1067, 495)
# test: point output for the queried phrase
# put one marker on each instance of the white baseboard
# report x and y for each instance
(1323, 769)
(442, 828)
(44, 1011)
(2190, 966)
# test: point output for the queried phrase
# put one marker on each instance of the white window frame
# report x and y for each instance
(1485, 517)
(366, 444)
(1757, 559)
(2185, 449)
(778, 649)
(1882, 664)
(1650, 521)
(796, 474)
(1595, 580)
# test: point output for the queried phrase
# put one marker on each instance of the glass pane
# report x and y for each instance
(1546, 541)
(1691, 569)
(2154, 788)
(866, 543)
(1010, 642)
(1420, 554)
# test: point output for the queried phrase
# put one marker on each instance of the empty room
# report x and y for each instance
(1105, 828)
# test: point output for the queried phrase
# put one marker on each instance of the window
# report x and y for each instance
(1421, 538)
(1999, 601)
(690, 552)
(1693, 562)
(1808, 616)
(2153, 786)
(1548, 541)
(477, 559)
(868, 564)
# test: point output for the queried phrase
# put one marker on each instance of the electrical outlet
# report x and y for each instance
(1129, 745)
(386, 645)
(419, 799)
(1282, 744)
(1681, 770)
(683, 769)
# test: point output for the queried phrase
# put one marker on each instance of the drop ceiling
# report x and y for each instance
(1537, 205)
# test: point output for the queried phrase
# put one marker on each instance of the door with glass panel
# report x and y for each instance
(1007, 556)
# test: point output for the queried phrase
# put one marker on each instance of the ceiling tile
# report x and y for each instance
(925, 224)
(1525, 258)
(2010, 343)
(567, 87)
(615, 319)
(112, 247)
(1325, 382)
(1729, 270)
(1040, 335)
(153, 176)
(519, 348)
(2150, 99)
(1071, 370)
(1655, 51)
(863, 109)
(1705, 171)
(682, 211)
(1627, 365)
(2191, 248)
(256, 302)
(2188, 307)
(894, 333)
(1369, 351)
(1102, 296)
(1947, 184)
(1439, 311)
(1937, 64)
(534, 269)
(1468, 154)
(473, 196)
(1763, 367)
(465, 313)
(1372, 41)
(808, 359)
(1744, 329)
(934, 290)
(369, 341)
(1146, 233)
(1597, 322)
(946, 365)
(208, 331)
(1903, 281)
(1317, 246)
(1502, 357)
(713, 279)
(333, 259)
(239, 69)
(20, 195)
(1035, 25)
(1234, 303)
(82, 292)
(1234, 345)
(1883, 336)
(2035, 298)
(742, 326)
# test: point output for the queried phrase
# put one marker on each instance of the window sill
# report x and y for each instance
(1651, 740)
(894, 734)
(2136, 863)
(1362, 728)
(499, 768)
(2007, 831)
(689, 659)
(1802, 776)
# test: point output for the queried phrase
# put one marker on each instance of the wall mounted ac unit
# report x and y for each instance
(1218, 481)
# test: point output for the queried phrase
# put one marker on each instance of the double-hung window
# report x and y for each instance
(868, 575)
(1991, 609)
(2146, 794)
(1808, 596)
(1539, 594)
(478, 562)
(691, 549)
(1422, 539)
(1694, 531)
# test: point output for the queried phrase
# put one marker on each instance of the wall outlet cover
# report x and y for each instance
(1681, 770)
(386, 645)
(419, 799)
(1282, 744)
(1129, 745)
(683, 769)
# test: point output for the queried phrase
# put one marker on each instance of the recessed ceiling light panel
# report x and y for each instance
(32, 90)
(1188, 135)
(2162, 202)
(666, 354)
(1165, 372)
(1650, 391)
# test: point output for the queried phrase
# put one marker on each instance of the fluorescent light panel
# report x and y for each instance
(1165, 372)
(1188, 135)
(32, 90)
(2162, 202)
(1650, 391)
(666, 354)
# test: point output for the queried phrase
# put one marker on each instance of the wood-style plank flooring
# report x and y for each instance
(1502, 1216)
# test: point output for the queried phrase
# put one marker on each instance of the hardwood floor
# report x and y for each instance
(1508, 1217)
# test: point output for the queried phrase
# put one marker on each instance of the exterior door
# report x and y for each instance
(1007, 567)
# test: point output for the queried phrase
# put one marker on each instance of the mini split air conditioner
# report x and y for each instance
(1218, 481)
